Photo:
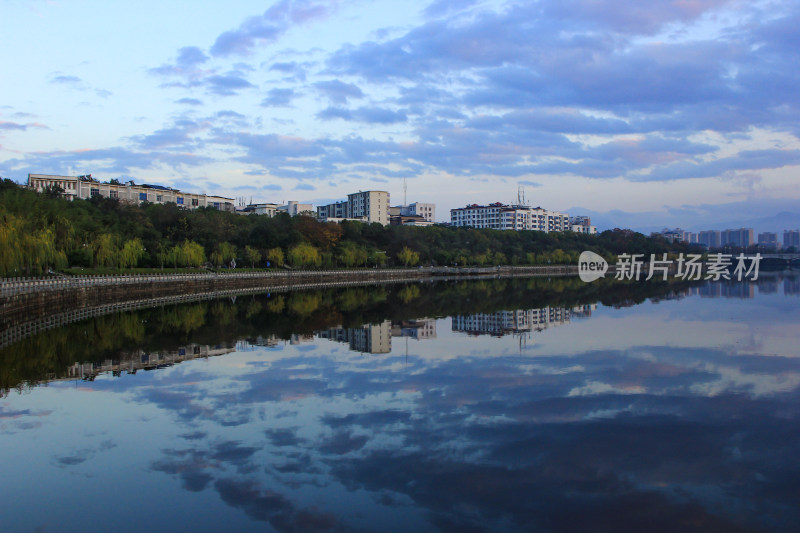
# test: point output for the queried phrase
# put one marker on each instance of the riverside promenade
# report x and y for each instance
(31, 305)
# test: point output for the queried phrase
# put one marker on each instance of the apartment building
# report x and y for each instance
(737, 237)
(364, 206)
(791, 237)
(509, 217)
(582, 224)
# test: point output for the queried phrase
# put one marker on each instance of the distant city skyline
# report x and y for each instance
(641, 115)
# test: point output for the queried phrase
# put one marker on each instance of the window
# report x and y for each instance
(95, 192)
(195, 202)
(114, 194)
(142, 196)
(179, 201)
(159, 198)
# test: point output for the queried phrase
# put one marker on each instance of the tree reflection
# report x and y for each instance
(220, 322)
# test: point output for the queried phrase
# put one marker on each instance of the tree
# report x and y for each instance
(275, 256)
(131, 253)
(351, 254)
(304, 255)
(253, 255)
(223, 254)
(407, 256)
(106, 251)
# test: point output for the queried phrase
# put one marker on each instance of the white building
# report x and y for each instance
(85, 187)
(509, 217)
(294, 208)
(364, 206)
(269, 210)
(417, 209)
(582, 224)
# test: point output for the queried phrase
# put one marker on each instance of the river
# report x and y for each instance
(483, 405)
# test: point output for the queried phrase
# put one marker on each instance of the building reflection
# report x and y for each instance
(518, 321)
(133, 362)
(767, 283)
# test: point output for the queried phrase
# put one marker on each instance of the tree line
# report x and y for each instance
(40, 232)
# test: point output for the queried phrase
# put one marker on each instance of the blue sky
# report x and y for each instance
(667, 111)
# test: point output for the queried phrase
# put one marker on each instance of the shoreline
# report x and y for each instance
(29, 306)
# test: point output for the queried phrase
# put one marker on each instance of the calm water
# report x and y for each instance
(503, 405)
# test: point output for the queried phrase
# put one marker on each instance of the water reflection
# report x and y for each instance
(663, 408)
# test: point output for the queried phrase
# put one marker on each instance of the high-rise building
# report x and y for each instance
(710, 238)
(791, 237)
(741, 237)
(768, 240)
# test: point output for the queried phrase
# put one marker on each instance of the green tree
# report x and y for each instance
(253, 255)
(106, 251)
(131, 253)
(275, 256)
(408, 257)
(304, 255)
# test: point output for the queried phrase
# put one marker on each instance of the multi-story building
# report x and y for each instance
(768, 240)
(420, 329)
(791, 237)
(336, 210)
(369, 338)
(418, 209)
(294, 208)
(670, 235)
(509, 322)
(741, 237)
(269, 210)
(582, 224)
(85, 187)
(710, 238)
(365, 206)
(509, 217)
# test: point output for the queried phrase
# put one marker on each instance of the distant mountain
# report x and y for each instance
(775, 223)
(650, 222)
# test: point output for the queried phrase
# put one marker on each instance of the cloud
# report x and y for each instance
(293, 69)
(265, 29)
(66, 79)
(338, 91)
(370, 115)
(304, 187)
(189, 101)
(190, 56)
(278, 97)
(745, 160)
(117, 160)
(227, 84)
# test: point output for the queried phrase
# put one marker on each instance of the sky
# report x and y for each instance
(666, 112)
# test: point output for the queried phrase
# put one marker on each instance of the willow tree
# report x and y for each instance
(304, 255)
(407, 256)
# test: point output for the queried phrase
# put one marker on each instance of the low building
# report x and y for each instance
(85, 187)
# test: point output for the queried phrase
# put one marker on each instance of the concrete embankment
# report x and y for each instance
(30, 305)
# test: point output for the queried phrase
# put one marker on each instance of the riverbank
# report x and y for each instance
(31, 305)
